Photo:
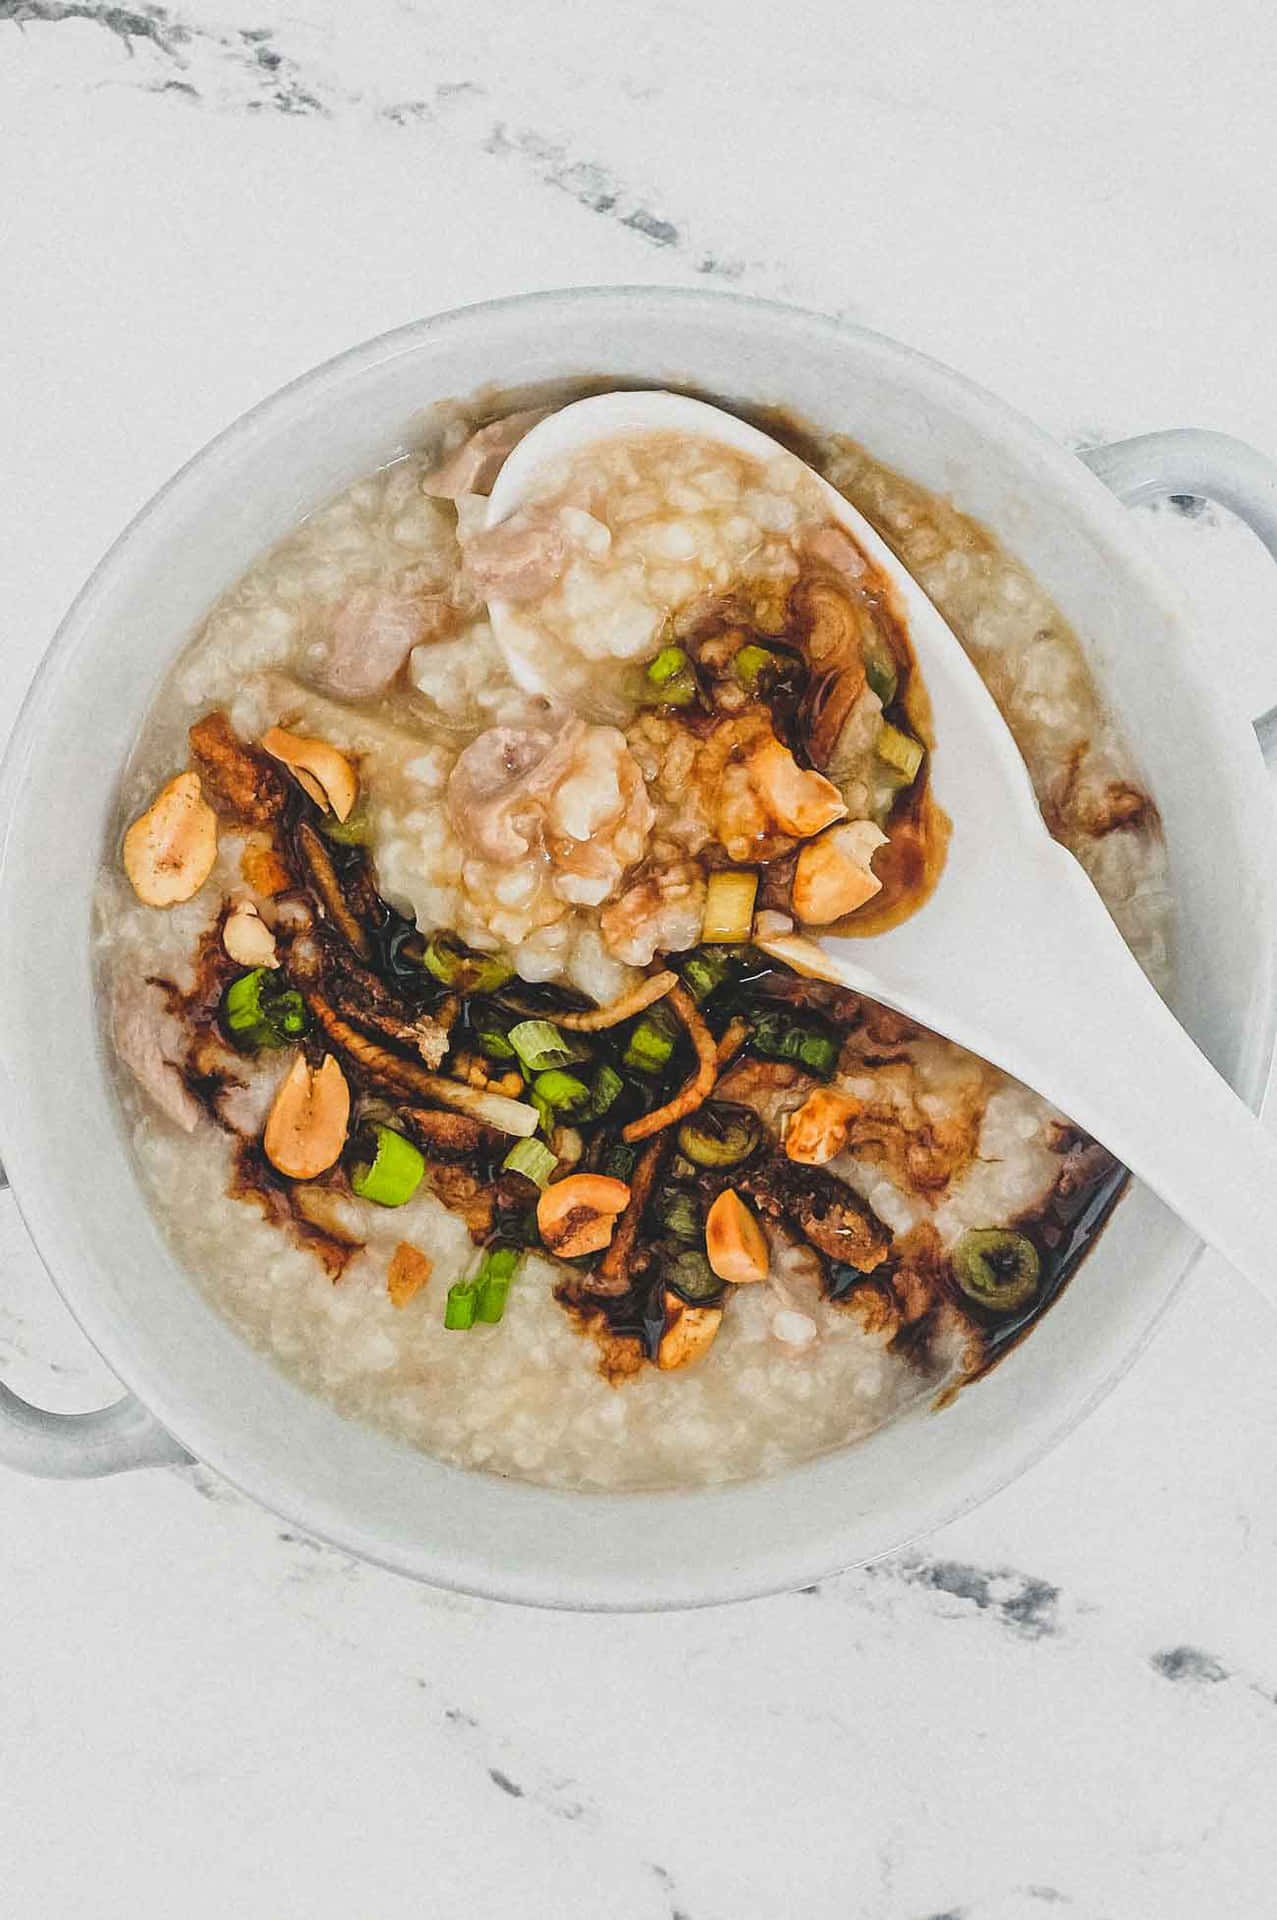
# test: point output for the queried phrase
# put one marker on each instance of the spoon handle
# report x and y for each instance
(1068, 1012)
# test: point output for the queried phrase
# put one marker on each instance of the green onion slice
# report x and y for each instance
(777, 1037)
(561, 1091)
(539, 1045)
(652, 1041)
(533, 1159)
(671, 679)
(494, 1042)
(899, 751)
(997, 1268)
(608, 1085)
(354, 831)
(720, 1135)
(259, 1011)
(679, 1213)
(459, 1308)
(690, 1275)
(880, 672)
(394, 1172)
(753, 664)
(619, 1160)
(459, 967)
(492, 1283)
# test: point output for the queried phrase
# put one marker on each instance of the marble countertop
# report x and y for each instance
(1065, 1704)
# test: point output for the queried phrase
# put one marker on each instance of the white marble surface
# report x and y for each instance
(1067, 1703)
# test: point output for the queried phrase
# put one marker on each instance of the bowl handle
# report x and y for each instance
(82, 1446)
(1206, 466)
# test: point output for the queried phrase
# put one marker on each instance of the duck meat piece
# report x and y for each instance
(372, 634)
(150, 1041)
(477, 461)
(833, 1219)
(239, 780)
(519, 559)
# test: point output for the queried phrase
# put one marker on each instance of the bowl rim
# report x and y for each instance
(1096, 507)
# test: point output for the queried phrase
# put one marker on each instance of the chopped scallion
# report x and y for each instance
(652, 1041)
(459, 1308)
(706, 969)
(608, 1084)
(679, 1212)
(671, 680)
(561, 1091)
(668, 662)
(619, 1160)
(778, 1037)
(394, 1172)
(493, 1042)
(880, 672)
(259, 1011)
(729, 906)
(460, 968)
(353, 831)
(539, 1045)
(533, 1159)
(753, 666)
(691, 1276)
(900, 751)
(719, 1135)
(492, 1283)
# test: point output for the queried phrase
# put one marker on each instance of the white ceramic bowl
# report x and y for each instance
(199, 1389)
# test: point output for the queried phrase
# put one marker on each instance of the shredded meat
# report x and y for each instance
(448, 1136)
(362, 998)
(317, 862)
(375, 1062)
(836, 1221)
(612, 1275)
(695, 1091)
(239, 780)
(661, 910)
(565, 807)
(645, 994)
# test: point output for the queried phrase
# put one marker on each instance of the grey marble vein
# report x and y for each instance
(1020, 1602)
(250, 70)
(1191, 1664)
(129, 25)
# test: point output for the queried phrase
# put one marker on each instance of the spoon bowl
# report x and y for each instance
(1013, 955)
